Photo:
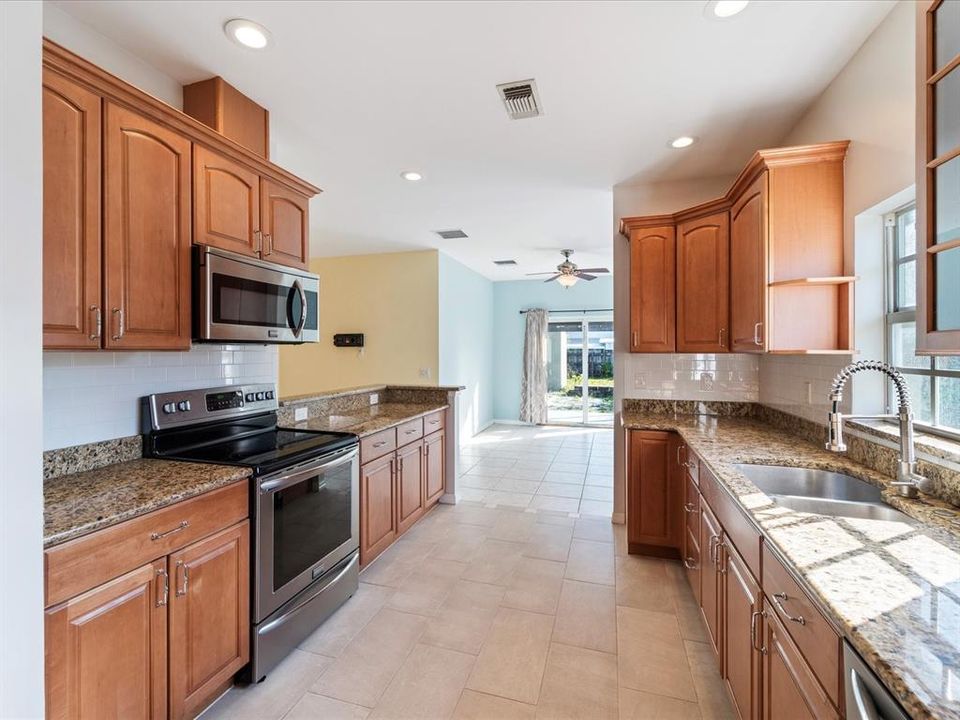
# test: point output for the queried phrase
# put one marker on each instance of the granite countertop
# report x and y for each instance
(360, 389)
(893, 589)
(77, 504)
(373, 419)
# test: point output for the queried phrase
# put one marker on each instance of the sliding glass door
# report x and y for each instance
(580, 369)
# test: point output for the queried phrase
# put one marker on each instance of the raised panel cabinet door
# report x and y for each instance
(226, 203)
(742, 634)
(410, 497)
(378, 505)
(106, 650)
(209, 617)
(434, 448)
(691, 562)
(650, 494)
(72, 309)
(146, 234)
(286, 225)
(703, 284)
(711, 536)
(653, 314)
(789, 688)
(748, 269)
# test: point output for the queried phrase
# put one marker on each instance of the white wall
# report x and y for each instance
(871, 103)
(466, 341)
(21, 474)
(91, 396)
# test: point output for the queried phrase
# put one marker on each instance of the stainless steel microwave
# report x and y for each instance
(242, 299)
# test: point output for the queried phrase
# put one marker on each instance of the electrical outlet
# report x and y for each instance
(706, 382)
(374, 398)
(809, 386)
(425, 373)
(640, 381)
(300, 414)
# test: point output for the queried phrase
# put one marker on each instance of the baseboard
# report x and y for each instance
(511, 422)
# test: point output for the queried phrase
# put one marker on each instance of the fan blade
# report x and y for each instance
(553, 278)
(584, 276)
(551, 272)
(598, 271)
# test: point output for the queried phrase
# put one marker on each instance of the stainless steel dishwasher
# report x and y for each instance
(866, 697)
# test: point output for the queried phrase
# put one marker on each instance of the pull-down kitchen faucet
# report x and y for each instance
(908, 481)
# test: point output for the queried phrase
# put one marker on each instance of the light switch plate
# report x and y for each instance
(640, 381)
(300, 413)
(374, 398)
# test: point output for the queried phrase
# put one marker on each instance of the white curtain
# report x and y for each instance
(533, 384)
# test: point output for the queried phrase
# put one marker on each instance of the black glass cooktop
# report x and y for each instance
(258, 445)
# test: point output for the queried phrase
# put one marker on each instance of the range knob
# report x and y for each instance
(260, 396)
(249, 397)
(183, 405)
(269, 394)
(170, 408)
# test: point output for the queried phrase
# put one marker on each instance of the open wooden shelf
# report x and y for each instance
(836, 280)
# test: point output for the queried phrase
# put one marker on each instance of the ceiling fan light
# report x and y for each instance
(567, 280)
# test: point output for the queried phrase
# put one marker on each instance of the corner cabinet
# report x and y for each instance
(751, 268)
(654, 493)
(938, 177)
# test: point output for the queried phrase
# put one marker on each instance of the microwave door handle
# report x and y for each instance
(297, 325)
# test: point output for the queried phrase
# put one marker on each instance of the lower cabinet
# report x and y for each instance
(378, 502)
(711, 590)
(106, 650)
(209, 618)
(436, 458)
(654, 493)
(410, 499)
(160, 641)
(742, 631)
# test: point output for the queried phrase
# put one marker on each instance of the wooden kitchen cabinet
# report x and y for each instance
(106, 650)
(146, 240)
(654, 494)
(653, 289)
(410, 487)
(703, 284)
(284, 214)
(209, 618)
(711, 538)
(742, 632)
(748, 268)
(378, 500)
(434, 448)
(226, 203)
(789, 687)
(72, 310)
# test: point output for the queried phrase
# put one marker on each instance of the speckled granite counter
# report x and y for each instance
(74, 505)
(372, 419)
(893, 589)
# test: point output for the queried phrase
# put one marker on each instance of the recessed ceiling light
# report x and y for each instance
(723, 9)
(247, 33)
(682, 142)
(411, 175)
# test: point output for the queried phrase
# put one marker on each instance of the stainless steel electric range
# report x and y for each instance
(304, 501)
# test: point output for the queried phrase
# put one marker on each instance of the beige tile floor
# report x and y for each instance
(496, 609)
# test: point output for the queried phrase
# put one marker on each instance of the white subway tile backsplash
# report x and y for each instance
(783, 383)
(678, 376)
(95, 396)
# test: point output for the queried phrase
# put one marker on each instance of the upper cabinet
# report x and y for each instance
(129, 184)
(653, 259)
(938, 177)
(759, 270)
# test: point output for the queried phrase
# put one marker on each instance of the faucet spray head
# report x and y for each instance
(835, 424)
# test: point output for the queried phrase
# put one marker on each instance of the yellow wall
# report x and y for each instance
(390, 298)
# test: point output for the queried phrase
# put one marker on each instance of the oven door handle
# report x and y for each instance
(292, 479)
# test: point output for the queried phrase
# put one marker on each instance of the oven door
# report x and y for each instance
(241, 299)
(307, 520)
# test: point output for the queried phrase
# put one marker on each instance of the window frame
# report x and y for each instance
(896, 315)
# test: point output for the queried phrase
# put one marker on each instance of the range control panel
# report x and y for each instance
(187, 407)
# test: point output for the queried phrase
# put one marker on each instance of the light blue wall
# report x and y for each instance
(467, 341)
(509, 298)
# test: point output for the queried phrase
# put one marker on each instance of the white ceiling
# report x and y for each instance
(360, 91)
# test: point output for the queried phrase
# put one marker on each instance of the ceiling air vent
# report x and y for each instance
(451, 234)
(504, 262)
(521, 99)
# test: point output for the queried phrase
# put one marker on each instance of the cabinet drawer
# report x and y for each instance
(691, 506)
(409, 432)
(378, 445)
(815, 637)
(88, 561)
(433, 422)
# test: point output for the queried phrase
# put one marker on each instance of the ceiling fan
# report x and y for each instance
(567, 273)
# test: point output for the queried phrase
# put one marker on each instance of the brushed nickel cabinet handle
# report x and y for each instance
(689, 507)
(756, 334)
(679, 461)
(165, 588)
(434, 422)
(633, 337)
(711, 549)
(754, 616)
(258, 236)
(182, 590)
(379, 444)
(689, 564)
(268, 244)
(182, 526)
(97, 322)
(778, 600)
(409, 432)
(721, 339)
(118, 313)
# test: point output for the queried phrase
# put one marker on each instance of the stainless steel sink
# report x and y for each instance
(822, 492)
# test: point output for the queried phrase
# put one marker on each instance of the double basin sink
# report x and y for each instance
(821, 492)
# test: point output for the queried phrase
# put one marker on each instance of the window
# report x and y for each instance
(934, 381)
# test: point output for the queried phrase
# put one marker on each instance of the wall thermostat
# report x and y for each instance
(348, 340)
